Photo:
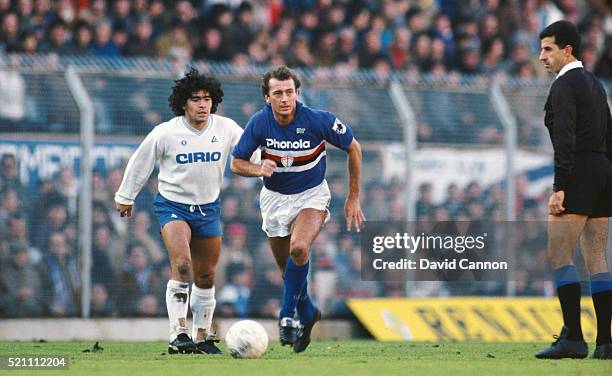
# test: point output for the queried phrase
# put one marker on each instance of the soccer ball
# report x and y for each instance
(247, 339)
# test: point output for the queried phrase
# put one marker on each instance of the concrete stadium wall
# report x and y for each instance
(140, 329)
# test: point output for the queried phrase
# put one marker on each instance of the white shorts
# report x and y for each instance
(279, 211)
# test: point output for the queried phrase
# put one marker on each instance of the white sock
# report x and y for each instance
(177, 296)
(202, 308)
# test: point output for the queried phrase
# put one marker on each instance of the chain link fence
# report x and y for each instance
(457, 172)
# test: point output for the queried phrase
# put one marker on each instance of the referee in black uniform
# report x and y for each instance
(578, 119)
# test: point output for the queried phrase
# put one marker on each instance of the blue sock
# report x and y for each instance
(305, 308)
(295, 278)
(601, 282)
(565, 275)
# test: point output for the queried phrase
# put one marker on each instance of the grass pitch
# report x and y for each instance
(362, 357)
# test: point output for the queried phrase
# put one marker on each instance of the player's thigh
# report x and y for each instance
(177, 236)
(205, 254)
(563, 233)
(306, 227)
(593, 244)
(280, 250)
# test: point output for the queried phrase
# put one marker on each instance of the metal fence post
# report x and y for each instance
(500, 104)
(409, 125)
(409, 122)
(86, 110)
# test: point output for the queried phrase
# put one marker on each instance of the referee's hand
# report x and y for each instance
(124, 210)
(555, 203)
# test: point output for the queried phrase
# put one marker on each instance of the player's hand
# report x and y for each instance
(124, 210)
(555, 203)
(354, 215)
(267, 168)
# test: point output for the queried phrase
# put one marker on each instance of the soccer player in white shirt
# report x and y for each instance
(192, 150)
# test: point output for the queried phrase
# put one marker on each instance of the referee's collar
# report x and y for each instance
(570, 66)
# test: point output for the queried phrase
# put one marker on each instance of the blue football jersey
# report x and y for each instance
(297, 148)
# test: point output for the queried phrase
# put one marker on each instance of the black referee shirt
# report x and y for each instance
(578, 120)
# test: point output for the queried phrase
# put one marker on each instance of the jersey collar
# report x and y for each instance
(568, 67)
(194, 130)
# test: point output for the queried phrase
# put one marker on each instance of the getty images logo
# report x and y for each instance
(300, 144)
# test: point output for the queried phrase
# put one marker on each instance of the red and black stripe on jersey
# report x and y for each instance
(297, 160)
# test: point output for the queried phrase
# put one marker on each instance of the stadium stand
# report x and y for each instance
(127, 54)
(429, 37)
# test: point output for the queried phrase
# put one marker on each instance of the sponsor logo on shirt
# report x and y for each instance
(199, 156)
(300, 144)
(338, 127)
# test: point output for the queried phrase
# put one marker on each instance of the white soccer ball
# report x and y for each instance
(247, 339)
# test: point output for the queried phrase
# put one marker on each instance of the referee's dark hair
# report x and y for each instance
(281, 73)
(565, 33)
(193, 82)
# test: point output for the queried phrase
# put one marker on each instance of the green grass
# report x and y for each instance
(322, 358)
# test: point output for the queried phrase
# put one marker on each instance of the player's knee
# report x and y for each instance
(299, 252)
(183, 267)
(204, 280)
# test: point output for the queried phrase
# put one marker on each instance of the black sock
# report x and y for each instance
(569, 297)
(603, 310)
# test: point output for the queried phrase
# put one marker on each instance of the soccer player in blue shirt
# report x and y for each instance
(295, 198)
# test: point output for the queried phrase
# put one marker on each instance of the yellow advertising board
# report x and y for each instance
(467, 319)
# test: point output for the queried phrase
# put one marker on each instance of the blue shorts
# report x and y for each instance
(204, 220)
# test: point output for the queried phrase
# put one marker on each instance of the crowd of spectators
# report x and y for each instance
(470, 37)
(40, 262)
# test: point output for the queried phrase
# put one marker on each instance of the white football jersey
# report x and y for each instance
(191, 162)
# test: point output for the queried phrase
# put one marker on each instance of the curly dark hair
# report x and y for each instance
(281, 73)
(193, 82)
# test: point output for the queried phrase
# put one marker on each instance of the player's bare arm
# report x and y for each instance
(246, 168)
(352, 206)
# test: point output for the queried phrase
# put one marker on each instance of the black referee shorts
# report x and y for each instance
(590, 189)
